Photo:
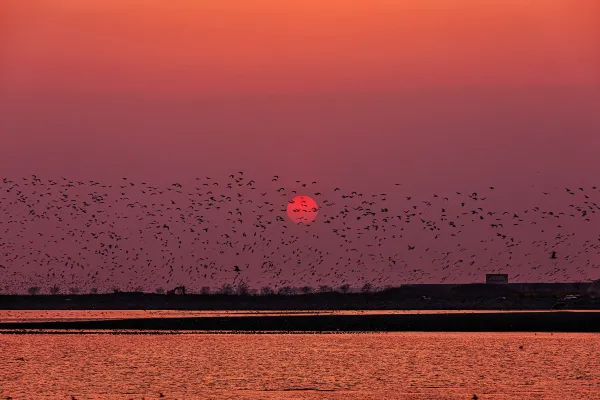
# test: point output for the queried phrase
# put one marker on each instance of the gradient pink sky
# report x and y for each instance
(429, 93)
(439, 95)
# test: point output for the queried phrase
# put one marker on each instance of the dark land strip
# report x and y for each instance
(415, 297)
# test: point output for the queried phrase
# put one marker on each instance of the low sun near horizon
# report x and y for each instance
(302, 210)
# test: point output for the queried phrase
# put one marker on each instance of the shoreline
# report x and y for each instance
(472, 297)
(531, 321)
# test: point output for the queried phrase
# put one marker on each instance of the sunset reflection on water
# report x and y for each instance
(301, 366)
(95, 315)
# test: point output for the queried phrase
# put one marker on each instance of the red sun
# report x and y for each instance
(302, 210)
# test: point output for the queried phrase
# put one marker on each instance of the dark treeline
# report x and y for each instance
(241, 289)
(409, 297)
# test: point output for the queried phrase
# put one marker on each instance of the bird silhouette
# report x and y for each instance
(65, 235)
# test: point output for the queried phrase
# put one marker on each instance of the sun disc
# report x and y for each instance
(302, 210)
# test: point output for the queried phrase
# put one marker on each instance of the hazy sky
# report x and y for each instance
(428, 93)
(439, 95)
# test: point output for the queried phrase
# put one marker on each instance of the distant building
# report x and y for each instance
(497, 279)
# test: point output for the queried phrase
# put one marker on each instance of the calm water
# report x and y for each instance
(301, 366)
(91, 315)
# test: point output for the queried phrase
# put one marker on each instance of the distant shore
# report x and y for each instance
(558, 321)
(433, 297)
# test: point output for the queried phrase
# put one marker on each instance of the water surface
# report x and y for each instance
(97, 315)
(301, 366)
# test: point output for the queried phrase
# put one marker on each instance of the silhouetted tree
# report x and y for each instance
(94, 291)
(74, 290)
(205, 290)
(285, 291)
(325, 289)
(266, 291)
(178, 290)
(242, 289)
(367, 288)
(139, 289)
(306, 289)
(159, 290)
(345, 288)
(227, 289)
(54, 290)
(116, 290)
(33, 290)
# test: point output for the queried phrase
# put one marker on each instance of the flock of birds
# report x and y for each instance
(211, 232)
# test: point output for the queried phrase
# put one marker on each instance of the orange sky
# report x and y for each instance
(431, 91)
(220, 47)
